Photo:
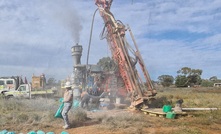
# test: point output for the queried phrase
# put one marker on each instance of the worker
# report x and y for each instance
(94, 88)
(85, 97)
(68, 100)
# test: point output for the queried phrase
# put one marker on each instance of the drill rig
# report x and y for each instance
(138, 85)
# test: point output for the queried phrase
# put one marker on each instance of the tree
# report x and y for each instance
(107, 64)
(51, 81)
(166, 80)
(184, 71)
(58, 83)
(213, 78)
(187, 76)
(181, 81)
(207, 83)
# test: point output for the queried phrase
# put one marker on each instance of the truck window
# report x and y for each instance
(22, 88)
(9, 82)
(2, 82)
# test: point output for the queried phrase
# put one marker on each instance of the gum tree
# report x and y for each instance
(166, 80)
(188, 77)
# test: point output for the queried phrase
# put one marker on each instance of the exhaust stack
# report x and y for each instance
(77, 75)
(76, 54)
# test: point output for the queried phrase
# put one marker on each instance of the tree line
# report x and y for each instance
(187, 77)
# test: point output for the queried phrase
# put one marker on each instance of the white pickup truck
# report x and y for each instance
(24, 91)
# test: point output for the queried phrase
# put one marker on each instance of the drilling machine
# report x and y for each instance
(138, 85)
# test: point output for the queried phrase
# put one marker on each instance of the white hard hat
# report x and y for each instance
(67, 84)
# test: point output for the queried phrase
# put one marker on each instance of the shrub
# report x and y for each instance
(123, 121)
(79, 115)
(22, 118)
(207, 83)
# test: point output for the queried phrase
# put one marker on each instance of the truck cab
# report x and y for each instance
(7, 84)
(10, 83)
(23, 91)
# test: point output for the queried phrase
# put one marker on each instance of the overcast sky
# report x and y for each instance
(36, 36)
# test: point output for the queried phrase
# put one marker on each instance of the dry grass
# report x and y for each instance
(192, 97)
(186, 130)
(26, 113)
(39, 114)
(129, 122)
(193, 124)
(79, 115)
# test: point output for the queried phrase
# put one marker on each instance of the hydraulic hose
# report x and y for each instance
(89, 45)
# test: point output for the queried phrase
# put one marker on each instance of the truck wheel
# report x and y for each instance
(2, 95)
(9, 97)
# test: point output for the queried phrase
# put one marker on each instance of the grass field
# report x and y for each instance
(23, 115)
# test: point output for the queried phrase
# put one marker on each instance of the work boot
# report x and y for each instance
(66, 127)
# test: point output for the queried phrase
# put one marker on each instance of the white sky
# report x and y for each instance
(36, 36)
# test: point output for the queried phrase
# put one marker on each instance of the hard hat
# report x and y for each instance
(67, 84)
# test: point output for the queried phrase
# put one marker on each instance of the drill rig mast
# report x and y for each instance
(126, 56)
